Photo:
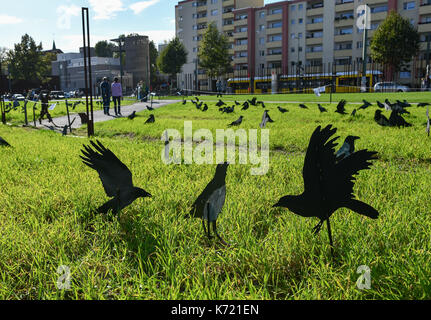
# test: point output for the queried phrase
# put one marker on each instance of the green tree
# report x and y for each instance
(3, 59)
(395, 42)
(104, 49)
(28, 62)
(172, 58)
(153, 62)
(213, 53)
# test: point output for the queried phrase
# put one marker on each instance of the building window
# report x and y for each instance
(300, 6)
(262, 14)
(300, 20)
(409, 5)
(292, 7)
(262, 40)
(214, 12)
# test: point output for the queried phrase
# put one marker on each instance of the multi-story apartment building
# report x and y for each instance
(192, 19)
(295, 34)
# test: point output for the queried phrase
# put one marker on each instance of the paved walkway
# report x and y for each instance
(99, 116)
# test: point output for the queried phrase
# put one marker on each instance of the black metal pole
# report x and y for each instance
(25, 113)
(68, 116)
(87, 71)
(3, 114)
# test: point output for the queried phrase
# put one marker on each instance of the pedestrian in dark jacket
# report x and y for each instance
(105, 90)
(44, 99)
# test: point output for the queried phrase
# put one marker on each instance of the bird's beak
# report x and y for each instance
(148, 195)
(356, 138)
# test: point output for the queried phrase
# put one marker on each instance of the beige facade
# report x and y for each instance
(288, 35)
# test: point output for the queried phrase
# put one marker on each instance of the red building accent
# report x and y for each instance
(251, 43)
(392, 5)
(285, 39)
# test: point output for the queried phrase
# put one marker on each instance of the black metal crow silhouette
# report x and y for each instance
(211, 201)
(132, 115)
(151, 119)
(366, 103)
(321, 109)
(75, 104)
(236, 122)
(150, 108)
(347, 148)
(381, 119)
(115, 176)
(205, 108)
(4, 143)
(245, 106)
(353, 113)
(261, 103)
(84, 117)
(67, 127)
(265, 119)
(237, 103)
(380, 105)
(282, 110)
(220, 103)
(396, 120)
(184, 102)
(303, 106)
(328, 183)
(423, 104)
(340, 107)
(253, 101)
(365, 106)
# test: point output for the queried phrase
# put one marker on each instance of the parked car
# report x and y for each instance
(57, 95)
(390, 87)
(18, 97)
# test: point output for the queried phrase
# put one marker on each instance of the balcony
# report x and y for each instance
(274, 17)
(379, 16)
(425, 8)
(314, 55)
(313, 41)
(343, 37)
(202, 20)
(237, 35)
(314, 26)
(424, 27)
(273, 44)
(344, 22)
(228, 3)
(343, 53)
(274, 57)
(228, 15)
(243, 47)
(228, 27)
(240, 60)
(241, 22)
(315, 12)
(339, 7)
(273, 31)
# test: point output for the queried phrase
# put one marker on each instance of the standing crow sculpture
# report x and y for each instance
(151, 119)
(150, 108)
(381, 119)
(353, 112)
(282, 110)
(328, 183)
(347, 148)
(115, 176)
(132, 115)
(321, 109)
(205, 108)
(236, 122)
(265, 118)
(396, 120)
(380, 105)
(211, 201)
(245, 106)
(303, 106)
(220, 103)
(423, 104)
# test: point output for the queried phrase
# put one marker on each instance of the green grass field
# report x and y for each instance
(413, 97)
(151, 251)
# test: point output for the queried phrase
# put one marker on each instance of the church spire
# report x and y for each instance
(53, 45)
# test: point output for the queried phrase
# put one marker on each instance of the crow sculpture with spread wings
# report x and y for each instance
(328, 183)
(115, 176)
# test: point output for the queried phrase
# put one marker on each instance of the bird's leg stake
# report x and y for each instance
(216, 233)
(330, 236)
(317, 228)
(208, 220)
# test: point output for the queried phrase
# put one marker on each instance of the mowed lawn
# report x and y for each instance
(151, 251)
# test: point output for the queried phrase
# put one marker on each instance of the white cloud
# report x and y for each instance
(65, 14)
(158, 36)
(140, 6)
(5, 19)
(106, 9)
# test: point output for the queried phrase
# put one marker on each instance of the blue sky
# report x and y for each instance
(46, 20)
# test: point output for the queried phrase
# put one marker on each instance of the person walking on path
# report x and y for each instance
(105, 90)
(117, 94)
(219, 89)
(44, 99)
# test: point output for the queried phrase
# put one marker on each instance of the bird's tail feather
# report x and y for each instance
(362, 208)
